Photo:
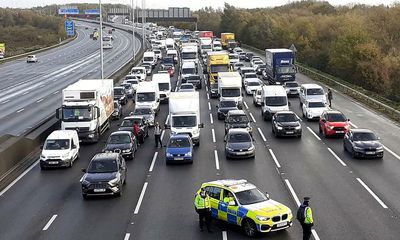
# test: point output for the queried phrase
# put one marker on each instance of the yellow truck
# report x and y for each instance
(217, 62)
(228, 41)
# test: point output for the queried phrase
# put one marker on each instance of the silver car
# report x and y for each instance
(257, 97)
(147, 113)
(292, 88)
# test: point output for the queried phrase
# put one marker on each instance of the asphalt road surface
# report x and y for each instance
(31, 92)
(351, 199)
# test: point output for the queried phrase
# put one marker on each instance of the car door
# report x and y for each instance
(74, 149)
(348, 141)
(215, 195)
(229, 212)
(122, 166)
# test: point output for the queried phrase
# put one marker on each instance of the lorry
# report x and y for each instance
(216, 62)
(184, 115)
(228, 41)
(280, 66)
(206, 34)
(230, 87)
(163, 82)
(87, 107)
(169, 44)
(189, 53)
(205, 46)
(147, 94)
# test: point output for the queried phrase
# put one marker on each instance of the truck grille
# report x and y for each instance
(81, 129)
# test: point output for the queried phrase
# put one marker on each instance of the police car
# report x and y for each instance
(241, 203)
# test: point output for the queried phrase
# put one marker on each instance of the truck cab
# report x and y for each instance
(216, 62)
(280, 66)
(230, 87)
(163, 82)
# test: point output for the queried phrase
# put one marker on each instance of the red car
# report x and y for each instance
(332, 123)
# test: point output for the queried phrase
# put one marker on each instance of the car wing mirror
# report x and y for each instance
(201, 125)
(267, 194)
(83, 170)
(348, 119)
(74, 146)
(379, 138)
(41, 147)
(167, 126)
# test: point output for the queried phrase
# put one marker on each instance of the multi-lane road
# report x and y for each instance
(29, 93)
(351, 198)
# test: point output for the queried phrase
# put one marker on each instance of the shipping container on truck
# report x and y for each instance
(280, 66)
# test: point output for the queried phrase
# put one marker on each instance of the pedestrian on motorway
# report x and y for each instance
(304, 215)
(157, 134)
(136, 131)
(330, 97)
(203, 208)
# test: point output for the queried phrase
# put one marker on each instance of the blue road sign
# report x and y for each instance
(92, 12)
(69, 28)
(68, 11)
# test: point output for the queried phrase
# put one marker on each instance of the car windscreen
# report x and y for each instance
(233, 56)
(179, 143)
(239, 64)
(168, 60)
(188, 70)
(193, 78)
(146, 97)
(219, 68)
(250, 76)
(364, 136)
(56, 144)
(142, 111)
(276, 101)
(230, 92)
(119, 139)
(205, 46)
(119, 91)
(250, 196)
(103, 166)
(184, 121)
(224, 104)
(262, 66)
(238, 119)
(336, 117)
(315, 91)
(253, 84)
(239, 138)
(134, 82)
(243, 71)
(77, 114)
(127, 123)
(189, 55)
(283, 117)
(316, 104)
(186, 86)
(138, 71)
(148, 59)
(127, 86)
(291, 84)
(163, 86)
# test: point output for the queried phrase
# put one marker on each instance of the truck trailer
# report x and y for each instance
(280, 66)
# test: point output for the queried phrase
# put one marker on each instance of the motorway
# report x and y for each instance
(30, 93)
(351, 199)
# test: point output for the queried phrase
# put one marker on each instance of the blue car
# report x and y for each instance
(179, 149)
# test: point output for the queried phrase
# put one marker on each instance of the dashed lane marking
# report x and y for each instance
(315, 135)
(153, 162)
(127, 236)
(372, 193)
(245, 105)
(252, 118)
(262, 134)
(213, 135)
(278, 165)
(20, 110)
(209, 106)
(337, 158)
(140, 198)
(216, 159)
(211, 119)
(50, 222)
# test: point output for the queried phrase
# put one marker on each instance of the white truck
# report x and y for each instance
(169, 44)
(205, 46)
(184, 114)
(147, 95)
(189, 53)
(230, 87)
(87, 106)
(163, 81)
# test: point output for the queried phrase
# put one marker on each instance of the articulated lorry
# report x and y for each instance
(280, 66)
(87, 106)
(228, 41)
(184, 114)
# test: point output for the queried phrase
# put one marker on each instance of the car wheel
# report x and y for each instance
(353, 153)
(299, 136)
(133, 154)
(319, 129)
(85, 196)
(344, 147)
(249, 228)
(119, 194)
(42, 168)
(71, 162)
(198, 143)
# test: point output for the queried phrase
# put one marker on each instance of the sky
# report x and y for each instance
(193, 4)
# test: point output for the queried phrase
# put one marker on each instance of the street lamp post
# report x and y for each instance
(101, 42)
(143, 14)
(133, 30)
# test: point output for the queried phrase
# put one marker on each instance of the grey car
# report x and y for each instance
(123, 142)
(147, 113)
(117, 113)
(239, 144)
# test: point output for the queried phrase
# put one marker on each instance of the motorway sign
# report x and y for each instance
(92, 12)
(68, 11)
(69, 28)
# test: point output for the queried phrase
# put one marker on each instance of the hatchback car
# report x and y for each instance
(31, 59)
(362, 143)
(249, 55)
(187, 87)
(252, 85)
(147, 113)
(127, 125)
(193, 79)
(286, 123)
(224, 107)
(248, 76)
(128, 89)
(117, 113)
(123, 142)
(105, 175)
(148, 68)
(179, 149)
(237, 119)
(257, 99)
(237, 66)
(292, 88)
(313, 109)
(239, 144)
(333, 123)
(214, 90)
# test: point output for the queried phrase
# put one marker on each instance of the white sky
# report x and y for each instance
(193, 4)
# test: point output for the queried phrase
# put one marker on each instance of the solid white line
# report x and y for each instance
(252, 118)
(6, 101)
(20, 110)
(166, 120)
(296, 199)
(49, 222)
(140, 198)
(372, 193)
(245, 104)
(391, 152)
(208, 96)
(224, 235)
(127, 236)
(262, 134)
(211, 119)
(337, 158)
(38, 101)
(216, 159)
(54, 93)
(353, 125)
(18, 178)
(162, 135)
(274, 157)
(309, 129)
(213, 135)
(153, 162)
(209, 106)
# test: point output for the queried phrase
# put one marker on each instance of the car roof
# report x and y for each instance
(236, 112)
(133, 117)
(120, 132)
(118, 87)
(238, 130)
(233, 184)
(334, 112)
(285, 112)
(106, 156)
(311, 85)
(248, 73)
(361, 130)
(61, 134)
(180, 135)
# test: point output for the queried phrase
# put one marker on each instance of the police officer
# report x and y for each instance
(304, 215)
(229, 198)
(203, 208)
(157, 134)
(330, 97)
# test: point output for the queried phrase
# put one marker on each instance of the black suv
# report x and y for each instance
(105, 175)
(237, 119)
(123, 142)
(120, 95)
(127, 125)
(224, 106)
(286, 123)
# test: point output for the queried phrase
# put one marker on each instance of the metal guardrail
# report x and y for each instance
(348, 90)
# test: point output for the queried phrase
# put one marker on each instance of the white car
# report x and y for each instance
(249, 76)
(292, 88)
(238, 65)
(237, 50)
(256, 63)
(31, 59)
(313, 109)
(187, 87)
(139, 72)
(233, 58)
(133, 81)
(252, 85)
(158, 53)
(257, 99)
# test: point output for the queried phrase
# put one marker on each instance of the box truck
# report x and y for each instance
(230, 87)
(228, 41)
(280, 66)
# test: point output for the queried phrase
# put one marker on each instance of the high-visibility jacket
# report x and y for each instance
(228, 199)
(202, 203)
(308, 216)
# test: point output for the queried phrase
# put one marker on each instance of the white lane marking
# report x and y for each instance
(211, 119)
(372, 193)
(38, 101)
(50, 222)
(245, 104)
(309, 129)
(25, 93)
(296, 199)
(18, 178)
(224, 235)
(262, 134)
(391, 152)
(209, 106)
(353, 125)
(54, 93)
(274, 157)
(206, 89)
(20, 110)
(314, 233)
(337, 158)
(166, 120)
(213, 135)
(176, 88)
(162, 135)
(252, 118)
(208, 96)
(6, 101)
(140, 198)
(153, 162)
(127, 236)
(216, 159)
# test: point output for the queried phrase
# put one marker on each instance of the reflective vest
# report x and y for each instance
(202, 203)
(308, 216)
(228, 199)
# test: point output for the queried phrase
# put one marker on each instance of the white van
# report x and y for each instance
(139, 72)
(163, 82)
(169, 44)
(151, 58)
(313, 92)
(273, 99)
(188, 68)
(173, 53)
(60, 149)
(147, 95)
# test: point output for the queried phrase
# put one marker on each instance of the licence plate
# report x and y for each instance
(369, 152)
(339, 131)
(99, 190)
(52, 162)
(290, 132)
(241, 153)
(282, 224)
(178, 158)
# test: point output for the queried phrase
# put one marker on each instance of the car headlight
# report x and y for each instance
(168, 154)
(251, 148)
(42, 157)
(249, 129)
(379, 148)
(229, 149)
(126, 150)
(113, 181)
(347, 126)
(64, 156)
(279, 127)
(298, 127)
(189, 154)
(358, 148)
(261, 218)
(84, 182)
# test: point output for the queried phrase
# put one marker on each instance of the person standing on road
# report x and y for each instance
(157, 134)
(136, 131)
(304, 215)
(203, 208)
(330, 97)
